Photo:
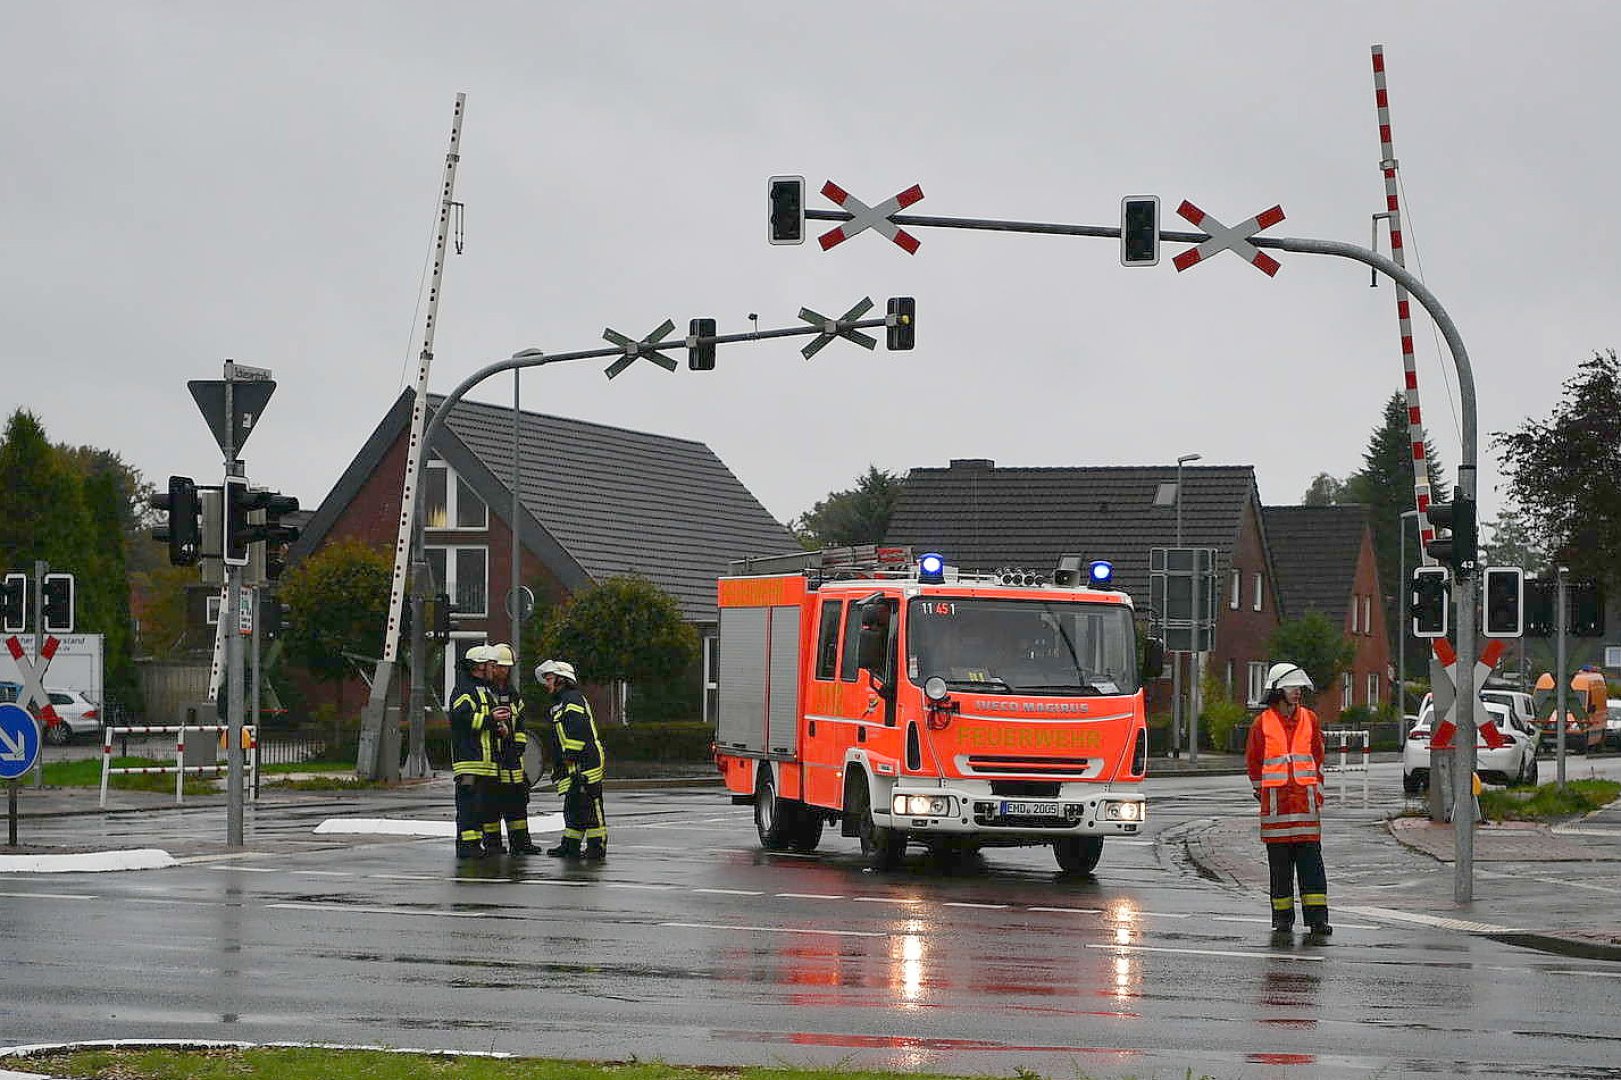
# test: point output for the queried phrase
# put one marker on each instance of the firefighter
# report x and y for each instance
(511, 787)
(577, 765)
(472, 751)
(1285, 760)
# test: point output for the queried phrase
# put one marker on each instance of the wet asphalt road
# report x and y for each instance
(692, 945)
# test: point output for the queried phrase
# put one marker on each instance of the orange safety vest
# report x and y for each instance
(1283, 761)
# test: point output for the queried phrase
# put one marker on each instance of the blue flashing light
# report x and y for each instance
(931, 568)
(1100, 573)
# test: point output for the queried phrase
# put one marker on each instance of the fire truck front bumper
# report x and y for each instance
(946, 811)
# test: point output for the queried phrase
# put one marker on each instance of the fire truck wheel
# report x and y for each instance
(883, 846)
(809, 832)
(1078, 854)
(775, 819)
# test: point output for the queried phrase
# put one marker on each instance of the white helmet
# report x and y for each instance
(1283, 675)
(480, 654)
(561, 668)
(501, 654)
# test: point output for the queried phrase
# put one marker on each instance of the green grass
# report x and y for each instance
(309, 1063)
(1547, 802)
(87, 773)
(328, 783)
(308, 766)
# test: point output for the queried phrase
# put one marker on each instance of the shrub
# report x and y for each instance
(675, 741)
(1220, 713)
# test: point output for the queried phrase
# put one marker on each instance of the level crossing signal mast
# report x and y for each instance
(183, 529)
(1432, 597)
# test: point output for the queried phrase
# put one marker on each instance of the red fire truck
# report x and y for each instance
(909, 702)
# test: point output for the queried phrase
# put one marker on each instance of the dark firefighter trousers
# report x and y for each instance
(1305, 859)
(473, 808)
(583, 818)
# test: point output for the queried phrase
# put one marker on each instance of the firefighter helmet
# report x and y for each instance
(1282, 676)
(561, 668)
(501, 654)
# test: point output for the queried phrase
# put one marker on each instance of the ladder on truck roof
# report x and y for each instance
(860, 560)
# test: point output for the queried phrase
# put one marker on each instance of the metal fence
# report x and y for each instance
(290, 747)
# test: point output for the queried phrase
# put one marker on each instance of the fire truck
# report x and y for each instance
(908, 702)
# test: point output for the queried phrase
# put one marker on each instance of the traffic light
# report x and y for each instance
(242, 503)
(1503, 602)
(182, 531)
(901, 329)
(786, 198)
(1139, 230)
(234, 535)
(1460, 549)
(1540, 610)
(1585, 607)
(56, 602)
(1431, 598)
(269, 616)
(435, 617)
(700, 355)
(14, 603)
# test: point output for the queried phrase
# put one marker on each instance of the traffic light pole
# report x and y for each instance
(1464, 593)
(41, 568)
(1561, 618)
(372, 721)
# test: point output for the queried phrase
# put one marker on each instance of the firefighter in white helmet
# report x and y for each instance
(472, 743)
(577, 764)
(1285, 761)
(510, 792)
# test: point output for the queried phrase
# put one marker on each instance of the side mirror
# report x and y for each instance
(1153, 658)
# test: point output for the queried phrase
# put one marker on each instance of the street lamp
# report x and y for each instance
(1176, 662)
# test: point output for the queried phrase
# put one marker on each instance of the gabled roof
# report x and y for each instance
(1314, 555)
(596, 501)
(981, 517)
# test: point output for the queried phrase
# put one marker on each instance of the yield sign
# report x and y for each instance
(248, 400)
(871, 217)
(1223, 238)
(832, 328)
(34, 677)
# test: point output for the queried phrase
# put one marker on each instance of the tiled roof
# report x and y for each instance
(1314, 555)
(625, 502)
(982, 517)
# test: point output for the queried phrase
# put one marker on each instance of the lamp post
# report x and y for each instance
(1176, 662)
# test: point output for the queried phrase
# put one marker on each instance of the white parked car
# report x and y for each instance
(1518, 701)
(1515, 762)
(79, 715)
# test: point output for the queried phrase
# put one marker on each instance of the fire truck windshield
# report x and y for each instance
(1038, 647)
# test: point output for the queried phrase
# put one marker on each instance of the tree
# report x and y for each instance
(335, 602)
(1515, 541)
(44, 515)
(624, 629)
(859, 515)
(1385, 485)
(1317, 645)
(1324, 490)
(1565, 472)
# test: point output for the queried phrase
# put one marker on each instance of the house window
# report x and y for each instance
(447, 505)
(1347, 688)
(1257, 679)
(1165, 494)
(1354, 608)
(1367, 615)
(1256, 601)
(1235, 586)
(1373, 690)
(827, 641)
(212, 611)
(462, 573)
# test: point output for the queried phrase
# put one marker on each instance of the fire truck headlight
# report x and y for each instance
(1124, 811)
(921, 805)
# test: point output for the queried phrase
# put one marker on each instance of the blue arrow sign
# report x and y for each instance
(19, 741)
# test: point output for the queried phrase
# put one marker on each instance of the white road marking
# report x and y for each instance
(1253, 954)
(1070, 910)
(810, 896)
(1262, 919)
(886, 900)
(247, 869)
(776, 929)
(1422, 919)
(730, 892)
(635, 885)
(322, 873)
(46, 896)
(986, 907)
(1594, 972)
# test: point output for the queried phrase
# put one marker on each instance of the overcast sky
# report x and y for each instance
(185, 182)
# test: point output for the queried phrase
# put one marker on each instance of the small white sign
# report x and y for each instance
(1612, 656)
(244, 607)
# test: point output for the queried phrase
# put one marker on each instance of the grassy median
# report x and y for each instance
(312, 1063)
(1547, 802)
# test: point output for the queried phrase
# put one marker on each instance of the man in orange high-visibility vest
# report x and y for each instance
(1285, 760)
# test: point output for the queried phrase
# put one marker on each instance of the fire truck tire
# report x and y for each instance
(883, 847)
(775, 819)
(809, 831)
(1078, 854)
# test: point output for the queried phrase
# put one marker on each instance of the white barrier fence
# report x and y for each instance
(1346, 763)
(179, 768)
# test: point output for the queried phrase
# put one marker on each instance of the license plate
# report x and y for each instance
(1031, 809)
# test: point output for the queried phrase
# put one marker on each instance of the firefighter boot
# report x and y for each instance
(596, 849)
(567, 848)
(469, 849)
(1317, 924)
(492, 842)
(521, 844)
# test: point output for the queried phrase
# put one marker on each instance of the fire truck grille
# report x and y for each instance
(1001, 765)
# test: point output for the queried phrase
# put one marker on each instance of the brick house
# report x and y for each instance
(1324, 560)
(594, 502)
(982, 517)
